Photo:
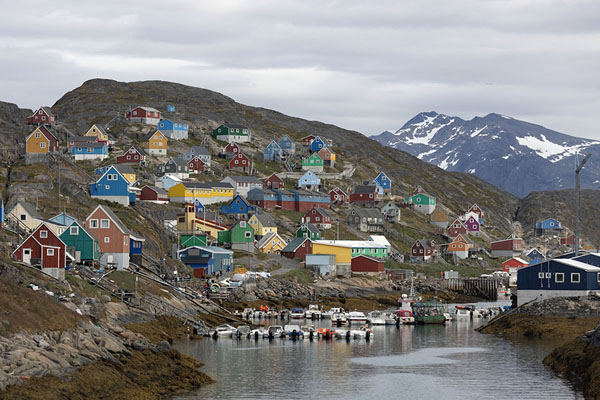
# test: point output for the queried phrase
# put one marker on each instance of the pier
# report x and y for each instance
(478, 287)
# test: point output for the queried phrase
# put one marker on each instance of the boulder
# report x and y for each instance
(163, 346)
(139, 345)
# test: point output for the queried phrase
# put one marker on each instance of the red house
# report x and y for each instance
(43, 116)
(196, 165)
(514, 263)
(477, 210)
(510, 247)
(135, 154)
(44, 248)
(319, 217)
(567, 240)
(231, 150)
(307, 140)
(423, 249)
(144, 115)
(154, 194)
(457, 228)
(298, 248)
(338, 196)
(364, 194)
(274, 182)
(367, 265)
(240, 162)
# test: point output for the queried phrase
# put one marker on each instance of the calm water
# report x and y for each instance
(417, 362)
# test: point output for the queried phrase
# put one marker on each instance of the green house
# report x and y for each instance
(240, 236)
(308, 231)
(186, 241)
(422, 202)
(231, 133)
(85, 244)
(313, 163)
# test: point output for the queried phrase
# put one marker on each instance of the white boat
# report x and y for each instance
(260, 332)
(357, 317)
(248, 313)
(448, 316)
(353, 334)
(390, 318)
(275, 331)
(297, 313)
(307, 329)
(461, 314)
(333, 310)
(293, 331)
(243, 331)
(313, 312)
(405, 317)
(376, 318)
(224, 330)
(339, 318)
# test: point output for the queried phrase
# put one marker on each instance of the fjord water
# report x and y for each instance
(416, 362)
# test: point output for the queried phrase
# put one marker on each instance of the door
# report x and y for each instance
(27, 256)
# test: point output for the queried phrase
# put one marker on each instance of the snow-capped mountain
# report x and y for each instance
(517, 156)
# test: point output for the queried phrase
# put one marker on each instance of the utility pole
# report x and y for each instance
(578, 167)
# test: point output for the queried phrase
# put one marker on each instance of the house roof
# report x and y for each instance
(84, 229)
(236, 126)
(310, 227)
(94, 145)
(426, 244)
(82, 139)
(245, 179)
(100, 128)
(338, 189)
(365, 189)
(199, 150)
(352, 243)
(124, 169)
(139, 149)
(518, 259)
(112, 216)
(170, 216)
(206, 185)
(267, 238)
(47, 111)
(320, 210)
(265, 219)
(170, 176)
(294, 244)
(380, 239)
(149, 109)
(274, 176)
(367, 212)
(157, 189)
(31, 210)
(149, 136)
(577, 264)
(178, 161)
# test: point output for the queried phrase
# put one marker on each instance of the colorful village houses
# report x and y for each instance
(457, 228)
(154, 194)
(205, 193)
(338, 196)
(191, 223)
(113, 186)
(510, 247)
(287, 145)
(460, 246)
(383, 184)
(238, 208)
(90, 151)
(243, 184)
(366, 265)
(345, 250)
(167, 181)
(156, 144)
(98, 132)
(472, 224)
(274, 182)
(424, 249)
(326, 265)
(327, 155)
(271, 243)
(196, 165)
(143, 115)
(25, 216)
(512, 266)
(174, 166)
(113, 237)
(319, 217)
(316, 145)
(173, 130)
(313, 163)
(549, 226)
(206, 260)
(42, 116)
(240, 163)
(126, 170)
(391, 212)
(43, 247)
(366, 220)
(80, 242)
(263, 224)
(364, 194)
(297, 248)
(76, 140)
(421, 201)
(309, 231)
(134, 154)
(273, 152)
(477, 210)
(439, 217)
(41, 141)
(231, 150)
(293, 200)
(232, 133)
(309, 181)
(307, 140)
(240, 236)
(200, 152)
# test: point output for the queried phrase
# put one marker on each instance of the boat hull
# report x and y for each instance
(430, 319)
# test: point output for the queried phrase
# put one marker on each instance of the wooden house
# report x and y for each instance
(472, 224)
(45, 249)
(338, 196)
(421, 201)
(240, 163)
(328, 156)
(510, 247)
(205, 193)
(535, 256)
(89, 151)
(174, 166)
(513, 264)
(134, 154)
(316, 145)
(263, 224)
(271, 243)
(232, 133)
(460, 246)
(364, 194)
(113, 186)
(456, 228)
(113, 237)
(42, 116)
(366, 220)
(85, 245)
(206, 260)
(383, 184)
(143, 115)
(77, 140)
(243, 184)
(240, 236)
(189, 222)
(567, 240)
(477, 210)
(439, 217)
(274, 182)
(173, 130)
(200, 152)
(41, 141)
(231, 150)
(391, 212)
(273, 152)
(319, 217)
(238, 208)
(156, 144)
(313, 163)
(154, 194)
(297, 248)
(423, 249)
(309, 231)
(98, 132)
(309, 181)
(549, 226)
(287, 145)
(167, 181)
(307, 140)
(196, 165)
(367, 265)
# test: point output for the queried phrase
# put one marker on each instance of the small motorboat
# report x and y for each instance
(243, 331)
(260, 332)
(339, 318)
(313, 312)
(293, 331)
(275, 331)
(376, 318)
(325, 333)
(297, 313)
(357, 317)
(361, 334)
(334, 310)
(390, 318)
(224, 330)
(447, 316)
(405, 317)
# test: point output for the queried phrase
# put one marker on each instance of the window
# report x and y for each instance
(248, 235)
(548, 275)
(37, 135)
(93, 223)
(104, 224)
(106, 239)
(43, 234)
(559, 277)
(43, 118)
(598, 278)
(40, 112)
(49, 252)
(42, 145)
(107, 187)
(540, 275)
(129, 157)
(575, 277)
(90, 149)
(23, 217)
(74, 230)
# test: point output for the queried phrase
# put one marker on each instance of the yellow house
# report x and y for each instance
(41, 141)
(156, 144)
(272, 243)
(189, 223)
(343, 254)
(263, 224)
(29, 219)
(98, 131)
(127, 172)
(205, 193)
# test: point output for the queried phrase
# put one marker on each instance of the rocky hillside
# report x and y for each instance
(514, 155)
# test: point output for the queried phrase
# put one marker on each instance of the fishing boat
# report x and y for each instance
(376, 318)
(405, 317)
(429, 312)
(293, 331)
(339, 318)
(313, 312)
(224, 330)
(275, 331)
(297, 313)
(357, 317)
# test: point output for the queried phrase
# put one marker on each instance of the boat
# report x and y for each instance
(339, 318)
(390, 318)
(313, 312)
(275, 331)
(405, 317)
(334, 310)
(243, 331)
(353, 334)
(297, 313)
(293, 331)
(357, 317)
(461, 314)
(259, 332)
(448, 316)
(248, 313)
(325, 333)
(224, 330)
(376, 318)
(429, 312)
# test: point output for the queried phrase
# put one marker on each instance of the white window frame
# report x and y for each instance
(106, 239)
(50, 252)
(44, 234)
(94, 224)
(74, 230)
(575, 275)
(559, 277)
(104, 222)
(42, 145)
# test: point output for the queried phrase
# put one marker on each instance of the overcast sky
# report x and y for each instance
(367, 66)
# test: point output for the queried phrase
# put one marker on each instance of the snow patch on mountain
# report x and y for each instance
(549, 150)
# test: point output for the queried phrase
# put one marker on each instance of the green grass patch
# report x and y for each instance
(299, 275)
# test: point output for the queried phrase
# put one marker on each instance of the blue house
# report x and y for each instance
(273, 151)
(173, 130)
(206, 260)
(89, 151)
(239, 208)
(317, 144)
(63, 219)
(287, 145)
(558, 277)
(167, 181)
(535, 256)
(383, 184)
(548, 226)
(113, 186)
(136, 247)
(309, 181)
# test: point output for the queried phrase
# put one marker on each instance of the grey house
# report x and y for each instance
(366, 220)
(198, 151)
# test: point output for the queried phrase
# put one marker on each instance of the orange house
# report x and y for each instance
(41, 141)
(460, 246)
(327, 155)
(156, 144)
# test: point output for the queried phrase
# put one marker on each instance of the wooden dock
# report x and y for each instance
(477, 287)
